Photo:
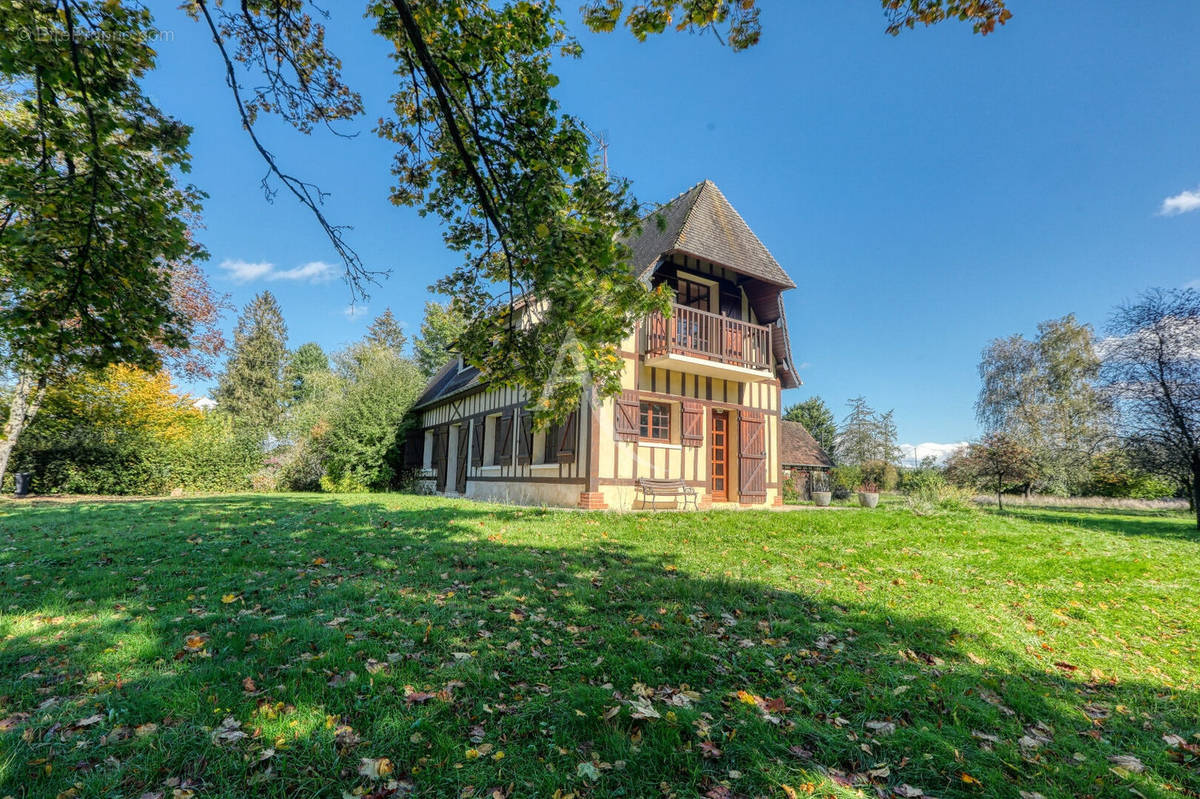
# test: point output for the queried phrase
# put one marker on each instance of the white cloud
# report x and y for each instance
(353, 312)
(246, 271)
(1181, 203)
(915, 453)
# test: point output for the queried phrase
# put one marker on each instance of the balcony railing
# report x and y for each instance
(700, 334)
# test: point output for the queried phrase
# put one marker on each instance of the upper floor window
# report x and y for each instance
(655, 421)
(693, 295)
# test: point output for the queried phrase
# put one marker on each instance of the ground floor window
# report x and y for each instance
(655, 421)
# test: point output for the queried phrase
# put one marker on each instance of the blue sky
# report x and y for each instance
(927, 193)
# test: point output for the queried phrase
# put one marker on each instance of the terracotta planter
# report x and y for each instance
(868, 499)
(822, 498)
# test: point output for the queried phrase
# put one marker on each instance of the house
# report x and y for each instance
(801, 457)
(700, 399)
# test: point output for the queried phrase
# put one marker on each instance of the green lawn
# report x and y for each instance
(283, 645)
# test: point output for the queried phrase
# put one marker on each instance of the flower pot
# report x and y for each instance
(822, 498)
(868, 499)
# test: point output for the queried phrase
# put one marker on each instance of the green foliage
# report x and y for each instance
(127, 432)
(846, 479)
(90, 210)
(881, 474)
(1045, 394)
(378, 388)
(1114, 473)
(818, 419)
(927, 492)
(252, 387)
(304, 366)
(998, 462)
(440, 329)
(214, 456)
(385, 331)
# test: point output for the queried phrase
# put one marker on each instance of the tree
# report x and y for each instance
(999, 459)
(1045, 394)
(440, 329)
(252, 387)
(385, 331)
(817, 419)
(91, 215)
(1152, 368)
(867, 436)
(483, 145)
(378, 388)
(304, 364)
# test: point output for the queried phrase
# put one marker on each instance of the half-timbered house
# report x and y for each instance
(700, 399)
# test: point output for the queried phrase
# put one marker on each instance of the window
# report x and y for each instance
(693, 295)
(654, 421)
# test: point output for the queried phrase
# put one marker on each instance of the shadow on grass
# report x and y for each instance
(1124, 521)
(471, 628)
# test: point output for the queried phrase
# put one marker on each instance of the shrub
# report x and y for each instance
(882, 474)
(846, 478)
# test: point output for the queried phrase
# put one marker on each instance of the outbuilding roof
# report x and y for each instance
(799, 448)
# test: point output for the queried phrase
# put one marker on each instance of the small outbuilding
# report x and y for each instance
(801, 457)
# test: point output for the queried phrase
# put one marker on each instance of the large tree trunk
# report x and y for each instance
(26, 401)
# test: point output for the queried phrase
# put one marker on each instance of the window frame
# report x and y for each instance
(646, 426)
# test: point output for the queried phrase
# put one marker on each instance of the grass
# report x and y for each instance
(284, 645)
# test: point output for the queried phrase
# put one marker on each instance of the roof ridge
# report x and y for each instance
(678, 196)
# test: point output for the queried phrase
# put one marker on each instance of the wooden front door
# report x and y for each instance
(719, 450)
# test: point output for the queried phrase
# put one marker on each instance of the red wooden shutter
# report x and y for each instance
(692, 431)
(752, 457)
(477, 442)
(504, 438)
(566, 439)
(626, 423)
(414, 448)
(524, 437)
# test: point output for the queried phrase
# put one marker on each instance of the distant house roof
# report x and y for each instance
(701, 222)
(799, 447)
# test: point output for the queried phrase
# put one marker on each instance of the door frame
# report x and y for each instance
(714, 413)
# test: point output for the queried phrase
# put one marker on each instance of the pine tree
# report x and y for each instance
(442, 326)
(303, 364)
(252, 388)
(385, 331)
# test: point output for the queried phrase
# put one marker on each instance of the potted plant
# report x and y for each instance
(821, 495)
(868, 495)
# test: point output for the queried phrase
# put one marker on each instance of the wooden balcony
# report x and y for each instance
(710, 343)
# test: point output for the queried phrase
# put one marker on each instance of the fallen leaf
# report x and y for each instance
(881, 727)
(908, 791)
(1128, 762)
(228, 732)
(710, 750)
(229, 599)
(375, 768)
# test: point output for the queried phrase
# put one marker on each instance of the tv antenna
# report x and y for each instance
(601, 140)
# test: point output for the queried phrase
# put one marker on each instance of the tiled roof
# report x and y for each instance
(448, 380)
(799, 448)
(702, 223)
